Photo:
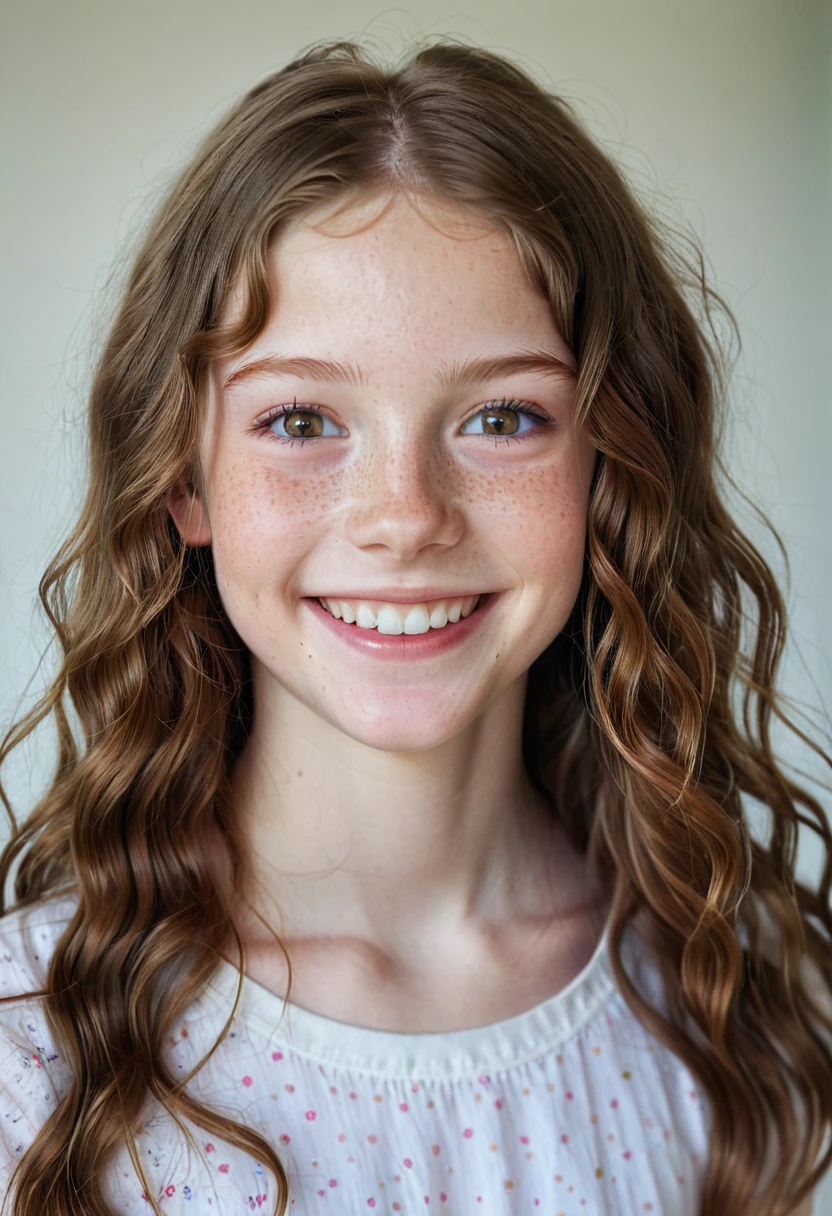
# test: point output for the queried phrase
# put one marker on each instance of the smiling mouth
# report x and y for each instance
(417, 618)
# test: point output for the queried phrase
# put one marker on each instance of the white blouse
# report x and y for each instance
(571, 1108)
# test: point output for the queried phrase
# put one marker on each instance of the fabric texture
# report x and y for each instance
(569, 1108)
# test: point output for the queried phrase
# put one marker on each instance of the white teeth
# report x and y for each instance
(402, 618)
(365, 618)
(439, 617)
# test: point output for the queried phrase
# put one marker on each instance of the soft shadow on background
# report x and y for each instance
(720, 113)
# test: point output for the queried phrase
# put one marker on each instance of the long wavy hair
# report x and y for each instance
(647, 719)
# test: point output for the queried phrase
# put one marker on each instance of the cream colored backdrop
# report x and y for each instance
(719, 110)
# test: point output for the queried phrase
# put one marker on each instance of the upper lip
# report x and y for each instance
(398, 595)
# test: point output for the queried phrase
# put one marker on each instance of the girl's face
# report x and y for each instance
(408, 482)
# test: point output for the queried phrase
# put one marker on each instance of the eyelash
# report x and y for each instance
(517, 407)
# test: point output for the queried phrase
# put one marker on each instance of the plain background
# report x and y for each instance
(720, 112)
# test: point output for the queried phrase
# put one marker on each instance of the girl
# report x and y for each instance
(401, 635)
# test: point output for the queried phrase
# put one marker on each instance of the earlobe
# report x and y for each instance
(188, 512)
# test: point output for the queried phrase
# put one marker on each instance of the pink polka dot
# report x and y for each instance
(524, 1139)
(427, 1198)
(614, 1103)
(333, 1182)
(290, 1089)
(627, 1155)
(353, 1096)
(402, 1106)
(442, 1196)
(277, 1055)
(371, 1139)
(499, 1104)
(569, 1095)
(371, 1203)
(342, 1137)
(407, 1163)
(483, 1080)
(284, 1139)
(468, 1133)
(321, 1192)
(223, 1168)
(209, 1148)
(311, 1115)
(248, 1080)
(564, 1138)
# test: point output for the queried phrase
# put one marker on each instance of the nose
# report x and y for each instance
(403, 500)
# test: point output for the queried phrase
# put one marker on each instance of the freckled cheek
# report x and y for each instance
(538, 519)
(262, 520)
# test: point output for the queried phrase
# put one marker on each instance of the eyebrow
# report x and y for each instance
(469, 371)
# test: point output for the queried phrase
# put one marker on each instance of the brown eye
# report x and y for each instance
(508, 419)
(301, 424)
(500, 421)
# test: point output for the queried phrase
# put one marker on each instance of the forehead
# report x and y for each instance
(385, 276)
(396, 253)
(386, 240)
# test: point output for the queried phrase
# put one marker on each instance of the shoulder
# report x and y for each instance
(28, 936)
(33, 1077)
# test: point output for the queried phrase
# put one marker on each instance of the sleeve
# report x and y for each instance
(32, 1080)
(33, 1077)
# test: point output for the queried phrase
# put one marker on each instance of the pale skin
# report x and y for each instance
(393, 837)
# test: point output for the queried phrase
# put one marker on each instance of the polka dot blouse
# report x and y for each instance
(570, 1109)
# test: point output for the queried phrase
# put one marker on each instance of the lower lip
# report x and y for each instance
(399, 646)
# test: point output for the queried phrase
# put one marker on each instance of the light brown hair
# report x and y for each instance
(648, 720)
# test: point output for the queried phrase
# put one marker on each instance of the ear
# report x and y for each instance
(189, 513)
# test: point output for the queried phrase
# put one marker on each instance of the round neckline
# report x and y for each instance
(423, 1054)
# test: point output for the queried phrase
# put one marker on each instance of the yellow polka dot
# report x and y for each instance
(377, 1097)
(550, 1087)
(596, 1051)
(626, 1074)
(493, 1147)
(593, 1118)
(526, 1092)
(599, 1173)
(508, 1184)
